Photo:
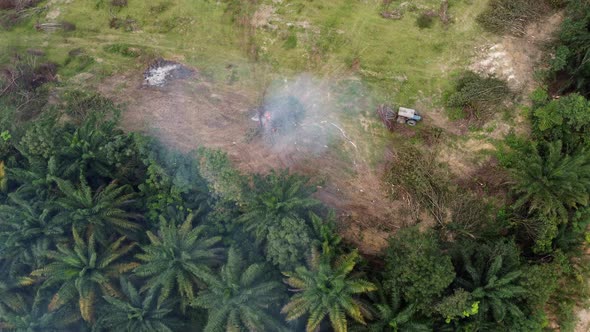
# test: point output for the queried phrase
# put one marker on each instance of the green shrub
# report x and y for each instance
(291, 42)
(425, 20)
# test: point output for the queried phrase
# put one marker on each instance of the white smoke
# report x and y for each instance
(306, 114)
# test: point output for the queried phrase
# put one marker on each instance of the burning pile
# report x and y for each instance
(163, 71)
(280, 114)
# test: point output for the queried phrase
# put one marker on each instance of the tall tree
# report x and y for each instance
(327, 288)
(179, 258)
(136, 312)
(416, 267)
(243, 298)
(83, 272)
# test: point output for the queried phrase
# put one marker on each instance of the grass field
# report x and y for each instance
(397, 59)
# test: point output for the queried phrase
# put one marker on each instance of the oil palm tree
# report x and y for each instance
(274, 197)
(84, 271)
(491, 273)
(100, 212)
(137, 312)
(36, 180)
(34, 316)
(550, 182)
(242, 299)
(10, 297)
(25, 226)
(394, 315)
(179, 258)
(327, 288)
(84, 149)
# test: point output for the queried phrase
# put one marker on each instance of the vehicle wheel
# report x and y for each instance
(411, 122)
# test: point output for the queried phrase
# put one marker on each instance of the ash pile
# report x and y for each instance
(161, 72)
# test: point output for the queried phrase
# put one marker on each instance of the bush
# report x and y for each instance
(480, 97)
(425, 20)
(512, 16)
(290, 42)
(79, 104)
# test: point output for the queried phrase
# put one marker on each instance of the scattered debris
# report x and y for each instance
(54, 26)
(395, 14)
(443, 12)
(163, 71)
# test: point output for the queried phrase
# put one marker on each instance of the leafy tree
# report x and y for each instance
(550, 182)
(416, 267)
(327, 288)
(566, 119)
(35, 316)
(274, 197)
(102, 211)
(572, 51)
(288, 242)
(242, 299)
(457, 306)
(179, 259)
(492, 274)
(84, 271)
(136, 312)
(172, 180)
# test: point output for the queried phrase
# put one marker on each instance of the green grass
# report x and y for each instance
(398, 60)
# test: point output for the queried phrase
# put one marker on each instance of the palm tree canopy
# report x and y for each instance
(179, 258)
(35, 316)
(104, 210)
(25, 226)
(242, 299)
(551, 182)
(274, 197)
(492, 273)
(327, 289)
(82, 271)
(137, 312)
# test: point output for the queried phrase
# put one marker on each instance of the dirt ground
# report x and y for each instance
(516, 59)
(192, 113)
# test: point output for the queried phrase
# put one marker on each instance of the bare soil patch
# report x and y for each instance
(186, 114)
(515, 59)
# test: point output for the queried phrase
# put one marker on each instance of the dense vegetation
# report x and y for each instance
(104, 230)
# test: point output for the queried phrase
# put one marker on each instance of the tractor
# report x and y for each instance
(403, 115)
